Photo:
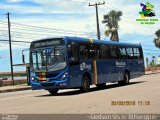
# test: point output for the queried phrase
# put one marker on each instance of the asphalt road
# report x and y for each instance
(142, 95)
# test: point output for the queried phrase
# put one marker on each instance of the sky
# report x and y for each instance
(36, 19)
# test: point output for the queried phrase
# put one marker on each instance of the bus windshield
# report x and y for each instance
(49, 59)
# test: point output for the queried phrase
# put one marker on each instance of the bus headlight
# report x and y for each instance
(64, 76)
(32, 78)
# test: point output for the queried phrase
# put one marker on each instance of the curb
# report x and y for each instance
(15, 89)
(152, 73)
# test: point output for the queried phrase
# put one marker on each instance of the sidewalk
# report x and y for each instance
(14, 88)
(152, 72)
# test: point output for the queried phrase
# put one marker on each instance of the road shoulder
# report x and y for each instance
(14, 88)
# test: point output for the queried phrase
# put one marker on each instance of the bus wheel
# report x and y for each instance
(86, 84)
(53, 91)
(102, 85)
(126, 79)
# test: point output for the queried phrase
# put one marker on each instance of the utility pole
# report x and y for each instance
(96, 6)
(10, 47)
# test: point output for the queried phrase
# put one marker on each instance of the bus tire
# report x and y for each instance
(85, 85)
(53, 91)
(126, 79)
(102, 85)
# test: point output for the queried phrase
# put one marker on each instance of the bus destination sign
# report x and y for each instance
(48, 43)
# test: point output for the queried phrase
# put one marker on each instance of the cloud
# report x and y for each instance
(76, 15)
(11, 1)
(70, 18)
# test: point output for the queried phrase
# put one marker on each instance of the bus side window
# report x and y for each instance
(122, 53)
(140, 52)
(136, 53)
(129, 53)
(103, 52)
(93, 52)
(83, 51)
(41, 59)
(107, 52)
(73, 55)
(113, 52)
(118, 52)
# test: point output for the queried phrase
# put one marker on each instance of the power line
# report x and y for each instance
(139, 42)
(15, 41)
(147, 44)
(151, 50)
(77, 1)
(17, 33)
(151, 53)
(39, 32)
(42, 29)
(49, 32)
(45, 28)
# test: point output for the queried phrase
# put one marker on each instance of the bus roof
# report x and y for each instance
(90, 40)
(79, 39)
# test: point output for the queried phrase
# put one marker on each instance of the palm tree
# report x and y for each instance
(157, 40)
(111, 20)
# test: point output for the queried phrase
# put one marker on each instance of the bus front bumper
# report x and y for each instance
(58, 84)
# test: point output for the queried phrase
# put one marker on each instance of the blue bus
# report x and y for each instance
(73, 62)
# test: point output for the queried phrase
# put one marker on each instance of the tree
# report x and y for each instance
(111, 20)
(157, 40)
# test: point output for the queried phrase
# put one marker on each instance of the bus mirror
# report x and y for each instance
(69, 48)
(23, 58)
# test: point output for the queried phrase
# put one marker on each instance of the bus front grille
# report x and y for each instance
(52, 75)
(47, 84)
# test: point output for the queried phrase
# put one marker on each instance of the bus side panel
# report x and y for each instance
(109, 72)
(75, 76)
(103, 71)
(86, 68)
(77, 73)
(137, 69)
(113, 70)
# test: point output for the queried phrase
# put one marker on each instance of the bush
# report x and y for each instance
(152, 64)
(158, 65)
